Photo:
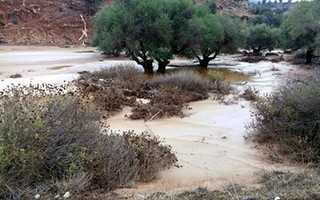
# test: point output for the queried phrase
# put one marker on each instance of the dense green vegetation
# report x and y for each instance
(301, 28)
(180, 27)
(155, 30)
(260, 37)
(265, 15)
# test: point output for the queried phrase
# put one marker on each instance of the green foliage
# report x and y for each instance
(301, 28)
(265, 15)
(209, 34)
(141, 27)
(206, 33)
(233, 35)
(212, 6)
(261, 36)
(50, 143)
(155, 30)
(289, 119)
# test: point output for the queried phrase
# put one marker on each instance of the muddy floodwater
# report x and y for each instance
(209, 142)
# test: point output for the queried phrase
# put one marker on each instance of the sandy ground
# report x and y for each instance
(209, 143)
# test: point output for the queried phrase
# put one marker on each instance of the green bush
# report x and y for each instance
(289, 119)
(53, 143)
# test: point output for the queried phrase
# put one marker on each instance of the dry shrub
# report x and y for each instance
(299, 57)
(114, 87)
(75, 184)
(151, 154)
(219, 85)
(114, 163)
(165, 102)
(53, 143)
(193, 86)
(170, 94)
(289, 119)
(252, 58)
(15, 76)
(250, 94)
(126, 77)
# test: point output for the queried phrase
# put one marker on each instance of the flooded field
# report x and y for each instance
(209, 142)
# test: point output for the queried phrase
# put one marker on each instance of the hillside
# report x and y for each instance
(58, 22)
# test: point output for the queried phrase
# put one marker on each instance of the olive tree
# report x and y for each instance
(301, 28)
(208, 35)
(140, 27)
(260, 37)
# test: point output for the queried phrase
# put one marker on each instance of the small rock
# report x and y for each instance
(37, 196)
(277, 198)
(248, 198)
(67, 195)
(140, 197)
(57, 196)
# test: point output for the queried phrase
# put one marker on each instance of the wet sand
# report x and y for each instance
(209, 142)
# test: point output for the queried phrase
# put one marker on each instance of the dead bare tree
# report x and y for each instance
(84, 35)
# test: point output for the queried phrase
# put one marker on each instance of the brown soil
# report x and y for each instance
(42, 22)
(59, 67)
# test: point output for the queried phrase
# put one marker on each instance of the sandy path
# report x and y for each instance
(209, 142)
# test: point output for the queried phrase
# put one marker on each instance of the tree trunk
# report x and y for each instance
(162, 66)
(256, 51)
(309, 56)
(147, 66)
(204, 62)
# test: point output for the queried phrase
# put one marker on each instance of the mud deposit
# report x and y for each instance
(209, 142)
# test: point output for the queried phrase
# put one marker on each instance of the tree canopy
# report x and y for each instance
(141, 27)
(151, 30)
(301, 28)
(261, 36)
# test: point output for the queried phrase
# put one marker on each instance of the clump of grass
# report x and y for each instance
(220, 86)
(289, 119)
(250, 94)
(190, 82)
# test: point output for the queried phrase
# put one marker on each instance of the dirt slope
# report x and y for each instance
(43, 22)
(58, 22)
